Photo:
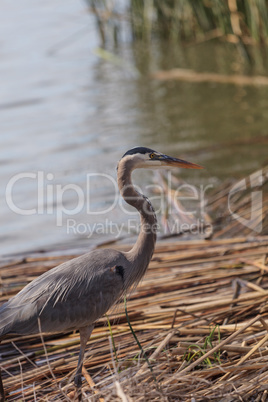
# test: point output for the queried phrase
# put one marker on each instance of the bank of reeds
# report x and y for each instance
(186, 19)
(200, 315)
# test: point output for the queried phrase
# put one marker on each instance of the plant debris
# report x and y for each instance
(205, 299)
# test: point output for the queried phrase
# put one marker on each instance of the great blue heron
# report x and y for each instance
(75, 294)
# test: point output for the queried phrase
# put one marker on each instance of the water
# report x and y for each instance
(66, 112)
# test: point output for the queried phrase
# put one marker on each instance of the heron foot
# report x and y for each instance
(78, 386)
(78, 381)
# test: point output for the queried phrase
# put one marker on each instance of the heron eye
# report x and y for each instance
(152, 156)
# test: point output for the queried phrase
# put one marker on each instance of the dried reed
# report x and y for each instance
(190, 287)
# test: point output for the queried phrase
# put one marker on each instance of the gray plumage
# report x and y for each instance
(75, 294)
(69, 296)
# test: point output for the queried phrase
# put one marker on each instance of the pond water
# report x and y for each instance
(66, 112)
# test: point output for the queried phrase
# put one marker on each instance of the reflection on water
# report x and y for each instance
(67, 112)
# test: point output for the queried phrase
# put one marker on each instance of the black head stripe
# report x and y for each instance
(138, 150)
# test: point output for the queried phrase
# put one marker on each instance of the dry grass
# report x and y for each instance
(200, 314)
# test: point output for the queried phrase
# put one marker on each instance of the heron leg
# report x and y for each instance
(85, 333)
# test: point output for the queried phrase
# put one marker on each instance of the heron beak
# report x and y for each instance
(174, 162)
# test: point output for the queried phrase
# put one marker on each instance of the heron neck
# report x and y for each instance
(141, 253)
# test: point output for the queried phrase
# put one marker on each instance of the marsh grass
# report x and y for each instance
(188, 19)
(143, 353)
(195, 351)
(185, 20)
(112, 338)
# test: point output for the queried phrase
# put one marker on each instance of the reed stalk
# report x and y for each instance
(185, 20)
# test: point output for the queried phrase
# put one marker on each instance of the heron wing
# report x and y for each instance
(69, 296)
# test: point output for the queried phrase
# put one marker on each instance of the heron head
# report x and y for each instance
(141, 157)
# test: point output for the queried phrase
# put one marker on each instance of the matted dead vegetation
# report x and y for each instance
(200, 314)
